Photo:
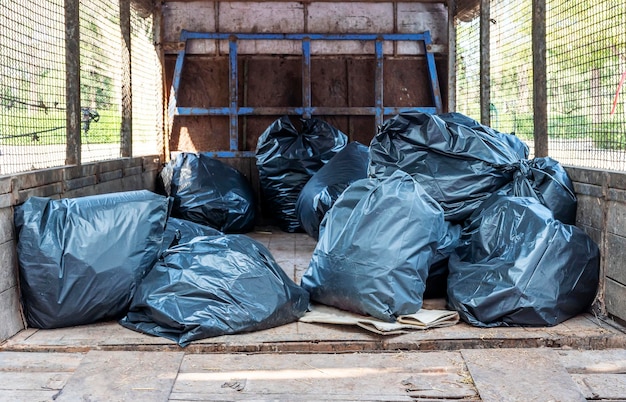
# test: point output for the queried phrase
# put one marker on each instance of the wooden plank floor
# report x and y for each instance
(293, 252)
(537, 374)
(302, 361)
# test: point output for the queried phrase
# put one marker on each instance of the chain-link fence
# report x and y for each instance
(586, 62)
(100, 79)
(468, 68)
(33, 79)
(585, 67)
(511, 68)
(147, 109)
(32, 85)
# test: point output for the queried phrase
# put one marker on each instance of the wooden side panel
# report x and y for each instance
(263, 81)
(270, 72)
(268, 82)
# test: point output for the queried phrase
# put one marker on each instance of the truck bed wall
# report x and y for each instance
(64, 182)
(270, 72)
(602, 214)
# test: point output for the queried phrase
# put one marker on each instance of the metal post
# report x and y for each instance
(432, 73)
(378, 85)
(234, 100)
(306, 78)
(540, 93)
(72, 82)
(126, 140)
(485, 67)
(173, 95)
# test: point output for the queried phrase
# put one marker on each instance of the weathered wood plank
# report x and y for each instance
(32, 381)
(39, 362)
(615, 265)
(602, 387)
(608, 361)
(129, 376)
(615, 298)
(497, 375)
(10, 312)
(386, 376)
(29, 395)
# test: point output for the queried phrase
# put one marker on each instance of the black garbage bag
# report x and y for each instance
(214, 286)
(518, 266)
(375, 247)
(458, 166)
(323, 189)
(182, 231)
(437, 281)
(545, 179)
(81, 259)
(511, 139)
(208, 191)
(287, 159)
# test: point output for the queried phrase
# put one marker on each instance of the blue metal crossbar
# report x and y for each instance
(233, 110)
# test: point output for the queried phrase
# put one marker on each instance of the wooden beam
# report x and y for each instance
(126, 137)
(485, 65)
(452, 55)
(540, 92)
(72, 82)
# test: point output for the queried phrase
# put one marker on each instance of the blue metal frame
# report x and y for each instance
(306, 110)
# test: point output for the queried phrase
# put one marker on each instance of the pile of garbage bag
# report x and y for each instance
(374, 253)
(488, 258)
(518, 265)
(436, 206)
(207, 191)
(287, 158)
(81, 259)
(214, 285)
(118, 256)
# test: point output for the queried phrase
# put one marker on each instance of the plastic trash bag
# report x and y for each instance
(208, 191)
(457, 165)
(81, 259)
(182, 231)
(518, 266)
(287, 159)
(214, 286)
(545, 179)
(375, 248)
(322, 190)
(513, 141)
(437, 281)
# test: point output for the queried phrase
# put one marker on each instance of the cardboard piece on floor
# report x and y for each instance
(423, 319)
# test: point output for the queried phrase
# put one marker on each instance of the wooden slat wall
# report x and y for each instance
(270, 73)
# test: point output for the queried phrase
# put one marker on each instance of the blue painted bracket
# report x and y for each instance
(233, 110)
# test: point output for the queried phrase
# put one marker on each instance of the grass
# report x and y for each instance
(605, 135)
(40, 128)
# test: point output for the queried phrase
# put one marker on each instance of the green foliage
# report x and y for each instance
(106, 130)
(40, 128)
(523, 126)
(610, 135)
(23, 127)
